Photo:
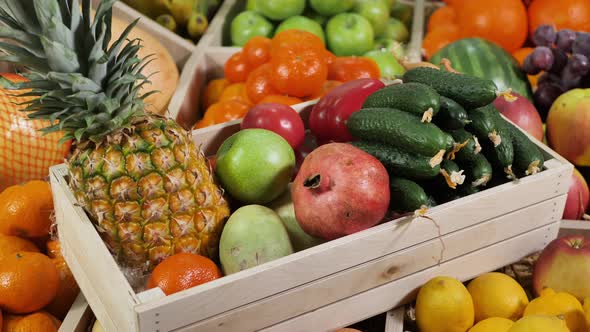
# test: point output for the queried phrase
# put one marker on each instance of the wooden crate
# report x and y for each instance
(333, 284)
(207, 60)
(79, 318)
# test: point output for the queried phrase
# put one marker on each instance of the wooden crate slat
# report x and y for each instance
(366, 276)
(372, 302)
(96, 272)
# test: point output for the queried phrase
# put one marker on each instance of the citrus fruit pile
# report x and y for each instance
(495, 302)
(293, 67)
(37, 287)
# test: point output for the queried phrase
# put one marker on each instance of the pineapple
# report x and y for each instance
(144, 184)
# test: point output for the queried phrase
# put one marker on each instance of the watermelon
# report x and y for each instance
(481, 58)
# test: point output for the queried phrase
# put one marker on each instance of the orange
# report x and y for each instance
(182, 271)
(237, 92)
(1, 318)
(520, 55)
(10, 322)
(259, 84)
(68, 288)
(299, 70)
(439, 38)
(503, 22)
(213, 91)
(29, 282)
(12, 244)
(236, 69)
(350, 68)
(562, 14)
(280, 99)
(257, 51)
(25, 209)
(440, 17)
(222, 112)
(295, 38)
(37, 322)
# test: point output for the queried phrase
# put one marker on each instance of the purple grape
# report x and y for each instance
(582, 44)
(529, 67)
(565, 40)
(559, 60)
(579, 64)
(570, 78)
(544, 97)
(542, 57)
(544, 35)
(549, 77)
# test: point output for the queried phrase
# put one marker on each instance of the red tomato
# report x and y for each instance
(278, 118)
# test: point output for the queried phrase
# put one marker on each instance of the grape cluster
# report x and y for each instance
(564, 56)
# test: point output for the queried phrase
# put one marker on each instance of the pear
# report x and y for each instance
(197, 24)
(181, 10)
(167, 21)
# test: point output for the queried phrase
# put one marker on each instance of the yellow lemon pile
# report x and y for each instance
(495, 302)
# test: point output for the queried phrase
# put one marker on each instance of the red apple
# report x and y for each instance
(564, 266)
(578, 197)
(523, 113)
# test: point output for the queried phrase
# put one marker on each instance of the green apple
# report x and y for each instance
(252, 5)
(389, 67)
(312, 14)
(403, 13)
(384, 44)
(349, 34)
(247, 25)
(279, 10)
(376, 11)
(283, 206)
(331, 7)
(302, 23)
(253, 235)
(396, 30)
(255, 165)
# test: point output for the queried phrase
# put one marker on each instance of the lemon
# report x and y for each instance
(587, 311)
(559, 304)
(497, 295)
(539, 324)
(493, 324)
(444, 305)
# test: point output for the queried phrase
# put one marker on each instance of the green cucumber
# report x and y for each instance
(401, 129)
(483, 124)
(501, 155)
(468, 190)
(478, 170)
(415, 98)
(470, 149)
(528, 158)
(407, 195)
(451, 173)
(400, 162)
(469, 91)
(451, 115)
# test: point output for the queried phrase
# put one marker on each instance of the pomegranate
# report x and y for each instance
(523, 113)
(578, 197)
(340, 190)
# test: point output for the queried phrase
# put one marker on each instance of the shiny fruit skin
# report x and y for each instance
(497, 295)
(578, 198)
(25, 209)
(259, 85)
(278, 118)
(298, 71)
(236, 69)
(350, 68)
(183, 271)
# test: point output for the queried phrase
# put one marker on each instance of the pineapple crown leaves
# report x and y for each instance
(76, 81)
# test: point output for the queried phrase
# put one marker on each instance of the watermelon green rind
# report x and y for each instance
(481, 58)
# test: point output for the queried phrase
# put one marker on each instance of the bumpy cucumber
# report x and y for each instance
(468, 190)
(470, 149)
(469, 91)
(451, 115)
(478, 170)
(483, 124)
(400, 162)
(501, 155)
(528, 158)
(407, 195)
(415, 98)
(400, 129)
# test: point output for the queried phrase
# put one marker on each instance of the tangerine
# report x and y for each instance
(25, 209)
(439, 38)
(12, 244)
(257, 51)
(29, 282)
(236, 69)
(213, 91)
(299, 70)
(440, 17)
(259, 84)
(280, 99)
(237, 92)
(183, 271)
(295, 38)
(562, 14)
(68, 287)
(350, 68)
(37, 322)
